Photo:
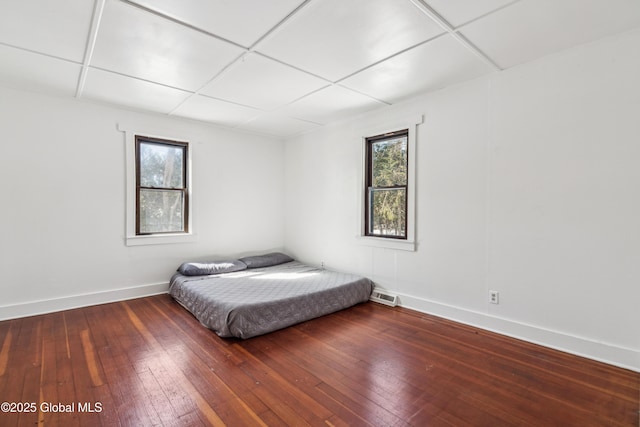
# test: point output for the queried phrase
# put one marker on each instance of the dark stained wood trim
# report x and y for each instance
(369, 141)
(149, 362)
(140, 139)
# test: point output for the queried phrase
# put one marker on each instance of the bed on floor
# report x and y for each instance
(256, 295)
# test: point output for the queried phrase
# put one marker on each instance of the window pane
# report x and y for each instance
(389, 162)
(161, 211)
(161, 165)
(387, 212)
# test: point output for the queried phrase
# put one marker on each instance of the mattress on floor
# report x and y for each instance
(256, 301)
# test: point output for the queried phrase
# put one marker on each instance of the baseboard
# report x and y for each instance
(607, 353)
(33, 308)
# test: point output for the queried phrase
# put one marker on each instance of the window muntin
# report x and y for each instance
(161, 186)
(387, 185)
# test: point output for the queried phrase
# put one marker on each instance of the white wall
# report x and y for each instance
(62, 170)
(527, 183)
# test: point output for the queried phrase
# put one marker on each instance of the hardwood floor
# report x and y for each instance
(149, 362)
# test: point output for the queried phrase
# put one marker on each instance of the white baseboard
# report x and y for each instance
(33, 308)
(614, 355)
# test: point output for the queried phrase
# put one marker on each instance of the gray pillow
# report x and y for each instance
(206, 268)
(266, 260)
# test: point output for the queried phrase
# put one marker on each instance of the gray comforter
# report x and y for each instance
(256, 301)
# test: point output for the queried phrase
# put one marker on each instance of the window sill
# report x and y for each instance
(381, 242)
(160, 239)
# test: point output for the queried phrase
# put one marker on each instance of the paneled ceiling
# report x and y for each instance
(281, 67)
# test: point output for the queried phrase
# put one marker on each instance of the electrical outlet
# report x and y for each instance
(494, 297)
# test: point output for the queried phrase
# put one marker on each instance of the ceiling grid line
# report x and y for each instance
(435, 16)
(293, 102)
(182, 23)
(39, 53)
(140, 79)
(390, 57)
(230, 65)
(282, 22)
(480, 17)
(286, 64)
(91, 44)
(197, 92)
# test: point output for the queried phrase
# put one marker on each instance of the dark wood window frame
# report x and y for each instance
(184, 190)
(370, 141)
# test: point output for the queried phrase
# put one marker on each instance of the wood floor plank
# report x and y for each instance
(199, 369)
(301, 376)
(273, 387)
(84, 388)
(31, 336)
(65, 387)
(150, 362)
(205, 411)
(501, 376)
(7, 332)
(7, 337)
(113, 370)
(48, 371)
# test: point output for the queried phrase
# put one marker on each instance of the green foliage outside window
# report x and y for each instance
(387, 186)
(161, 187)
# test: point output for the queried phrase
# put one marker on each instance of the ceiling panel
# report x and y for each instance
(262, 83)
(137, 43)
(278, 125)
(58, 28)
(431, 66)
(335, 38)
(459, 12)
(129, 92)
(530, 29)
(331, 104)
(215, 111)
(242, 22)
(39, 73)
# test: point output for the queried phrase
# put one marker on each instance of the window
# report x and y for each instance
(153, 182)
(161, 186)
(386, 185)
